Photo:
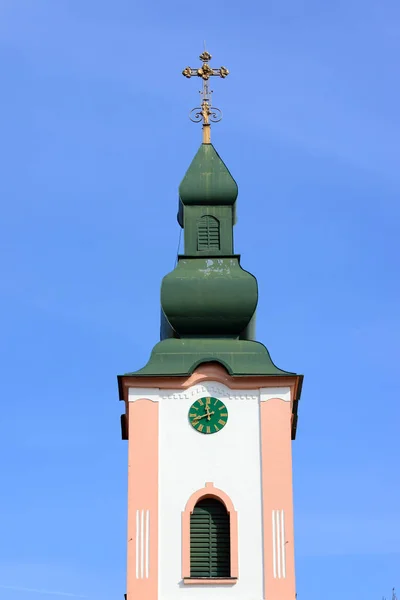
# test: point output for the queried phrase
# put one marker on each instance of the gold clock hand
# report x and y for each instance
(198, 418)
(209, 413)
(202, 416)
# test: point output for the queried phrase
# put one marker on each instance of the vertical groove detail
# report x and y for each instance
(278, 544)
(142, 544)
(274, 543)
(147, 543)
(283, 537)
(137, 543)
(278, 541)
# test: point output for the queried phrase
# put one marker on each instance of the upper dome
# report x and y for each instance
(207, 180)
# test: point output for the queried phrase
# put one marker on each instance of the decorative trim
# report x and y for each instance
(209, 491)
(142, 544)
(279, 393)
(278, 544)
(211, 388)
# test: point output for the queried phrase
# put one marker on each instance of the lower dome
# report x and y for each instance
(204, 296)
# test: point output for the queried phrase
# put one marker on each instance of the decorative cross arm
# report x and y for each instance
(205, 113)
(205, 72)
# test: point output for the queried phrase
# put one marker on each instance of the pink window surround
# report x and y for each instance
(209, 491)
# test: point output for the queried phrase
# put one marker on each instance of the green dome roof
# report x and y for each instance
(207, 180)
(209, 297)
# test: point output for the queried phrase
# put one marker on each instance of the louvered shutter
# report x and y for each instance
(209, 540)
(208, 233)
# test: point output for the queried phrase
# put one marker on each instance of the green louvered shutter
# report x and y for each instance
(209, 540)
(208, 233)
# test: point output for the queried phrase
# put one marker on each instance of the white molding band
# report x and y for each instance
(152, 394)
(280, 393)
(278, 544)
(142, 544)
(209, 388)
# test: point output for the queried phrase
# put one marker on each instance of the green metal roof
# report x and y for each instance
(182, 356)
(208, 180)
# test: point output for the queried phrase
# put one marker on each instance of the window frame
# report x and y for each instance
(209, 491)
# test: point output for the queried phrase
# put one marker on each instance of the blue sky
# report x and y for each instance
(95, 139)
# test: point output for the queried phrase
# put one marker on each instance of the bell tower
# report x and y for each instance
(209, 419)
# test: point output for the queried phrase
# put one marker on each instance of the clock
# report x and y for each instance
(208, 415)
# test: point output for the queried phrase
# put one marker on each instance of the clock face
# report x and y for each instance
(208, 415)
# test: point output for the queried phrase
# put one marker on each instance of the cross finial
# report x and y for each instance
(205, 113)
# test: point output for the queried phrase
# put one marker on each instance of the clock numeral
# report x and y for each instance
(216, 428)
(194, 407)
(221, 422)
(208, 400)
(222, 407)
(223, 414)
(192, 415)
(208, 429)
(200, 427)
(200, 402)
(216, 402)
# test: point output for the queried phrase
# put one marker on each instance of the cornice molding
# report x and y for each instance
(210, 388)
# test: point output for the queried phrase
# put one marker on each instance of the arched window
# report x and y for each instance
(208, 237)
(209, 538)
(210, 551)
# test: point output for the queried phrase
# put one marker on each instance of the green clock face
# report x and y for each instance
(208, 415)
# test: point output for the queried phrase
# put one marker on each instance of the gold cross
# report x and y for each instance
(205, 72)
(205, 112)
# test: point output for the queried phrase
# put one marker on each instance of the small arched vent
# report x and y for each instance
(208, 237)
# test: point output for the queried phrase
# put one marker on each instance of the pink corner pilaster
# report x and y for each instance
(142, 553)
(277, 497)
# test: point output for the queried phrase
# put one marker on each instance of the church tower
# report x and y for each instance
(209, 419)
